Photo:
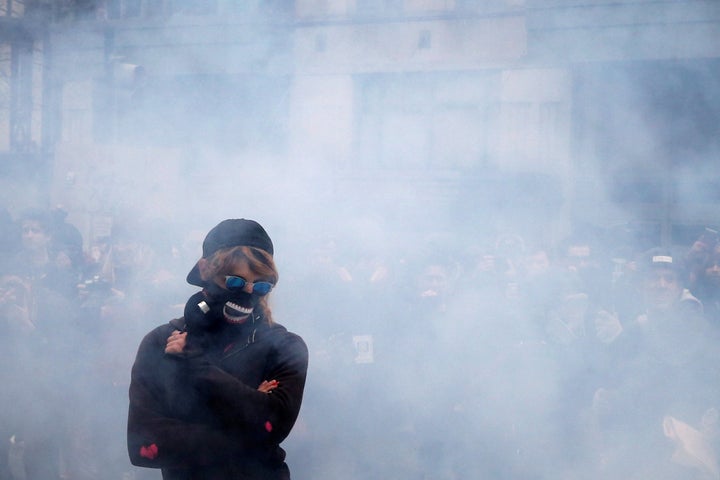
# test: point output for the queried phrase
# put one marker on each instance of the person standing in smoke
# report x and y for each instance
(38, 373)
(659, 418)
(213, 394)
(50, 252)
(38, 367)
(704, 256)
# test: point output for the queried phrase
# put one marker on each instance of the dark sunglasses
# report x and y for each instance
(233, 282)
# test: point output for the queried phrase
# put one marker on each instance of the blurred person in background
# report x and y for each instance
(539, 288)
(659, 417)
(354, 275)
(704, 260)
(419, 329)
(578, 338)
(34, 257)
(213, 394)
(699, 253)
(480, 274)
(50, 252)
(509, 256)
(707, 287)
(128, 283)
(585, 258)
(39, 372)
(66, 250)
(129, 274)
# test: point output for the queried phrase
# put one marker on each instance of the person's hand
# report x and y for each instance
(176, 343)
(267, 386)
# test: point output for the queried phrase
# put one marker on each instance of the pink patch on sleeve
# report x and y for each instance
(150, 452)
(268, 426)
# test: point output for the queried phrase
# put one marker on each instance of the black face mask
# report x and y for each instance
(220, 296)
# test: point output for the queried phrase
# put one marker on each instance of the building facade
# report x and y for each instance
(528, 115)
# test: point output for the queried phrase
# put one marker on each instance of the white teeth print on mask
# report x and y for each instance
(239, 308)
(235, 313)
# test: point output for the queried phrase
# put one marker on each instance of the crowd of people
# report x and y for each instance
(72, 315)
(438, 357)
(453, 358)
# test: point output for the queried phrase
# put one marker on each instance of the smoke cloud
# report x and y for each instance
(423, 221)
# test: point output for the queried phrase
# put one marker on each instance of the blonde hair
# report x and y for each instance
(259, 261)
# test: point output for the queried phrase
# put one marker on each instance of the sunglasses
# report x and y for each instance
(233, 282)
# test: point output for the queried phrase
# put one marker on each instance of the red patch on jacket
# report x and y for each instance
(149, 452)
(268, 426)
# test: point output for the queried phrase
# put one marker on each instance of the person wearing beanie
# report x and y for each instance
(664, 277)
(214, 393)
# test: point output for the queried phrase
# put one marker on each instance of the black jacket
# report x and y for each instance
(200, 415)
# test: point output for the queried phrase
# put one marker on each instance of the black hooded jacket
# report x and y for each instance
(201, 416)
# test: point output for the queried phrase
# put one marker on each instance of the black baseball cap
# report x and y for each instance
(233, 232)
